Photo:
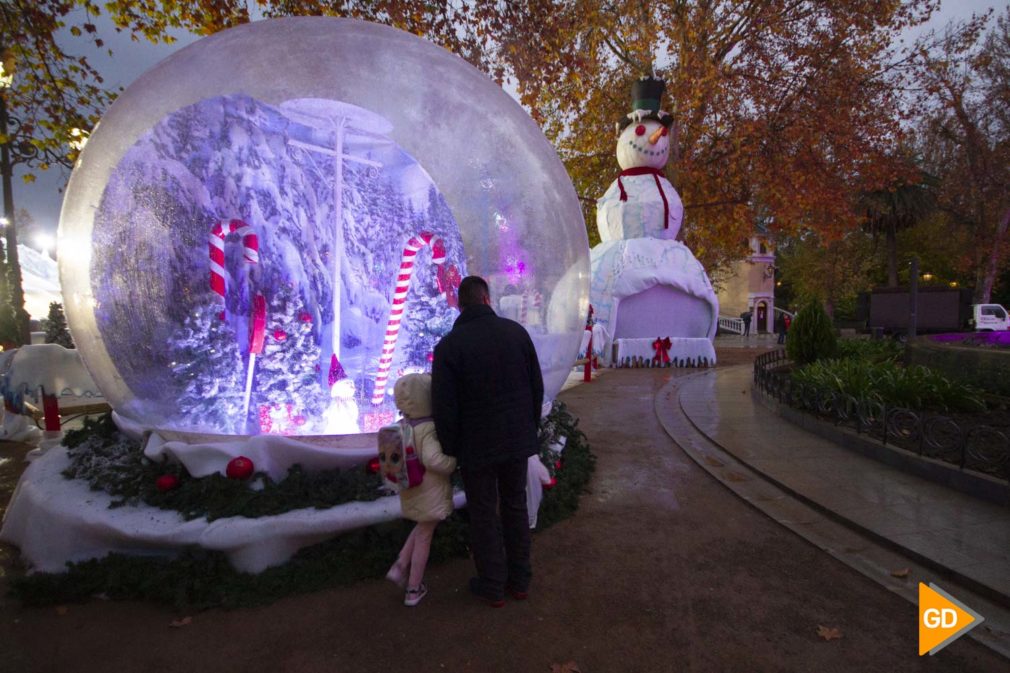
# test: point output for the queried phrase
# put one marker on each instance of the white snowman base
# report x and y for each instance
(647, 288)
(683, 352)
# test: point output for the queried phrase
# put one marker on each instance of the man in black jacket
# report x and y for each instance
(487, 391)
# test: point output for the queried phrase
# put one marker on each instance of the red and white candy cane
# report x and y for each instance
(399, 303)
(250, 250)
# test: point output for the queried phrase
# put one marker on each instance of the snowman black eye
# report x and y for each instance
(395, 458)
(640, 130)
(382, 456)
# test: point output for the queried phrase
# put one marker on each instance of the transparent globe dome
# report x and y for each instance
(269, 227)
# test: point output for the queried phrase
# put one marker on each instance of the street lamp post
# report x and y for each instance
(7, 149)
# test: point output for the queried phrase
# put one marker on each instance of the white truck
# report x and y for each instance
(989, 318)
(938, 310)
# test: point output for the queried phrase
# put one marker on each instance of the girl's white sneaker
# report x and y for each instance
(414, 596)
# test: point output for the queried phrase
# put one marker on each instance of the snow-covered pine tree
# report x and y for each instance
(207, 366)
(56, 326)
(287, 394)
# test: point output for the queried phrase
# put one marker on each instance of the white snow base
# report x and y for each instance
(682, 349)
(272, 454)
(54, 520)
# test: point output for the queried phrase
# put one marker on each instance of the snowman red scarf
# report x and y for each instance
(656, 173)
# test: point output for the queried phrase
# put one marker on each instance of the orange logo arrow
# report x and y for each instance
(942, 619)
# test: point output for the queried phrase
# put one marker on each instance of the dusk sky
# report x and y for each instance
(130, 59)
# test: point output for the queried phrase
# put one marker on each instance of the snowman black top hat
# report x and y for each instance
(646, 96)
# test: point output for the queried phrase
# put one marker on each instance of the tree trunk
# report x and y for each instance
(987, 274)
(892, 254)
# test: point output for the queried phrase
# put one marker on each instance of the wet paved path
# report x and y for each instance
(964, 536)
(662, 570)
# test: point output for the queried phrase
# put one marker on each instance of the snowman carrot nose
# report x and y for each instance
(654, 138)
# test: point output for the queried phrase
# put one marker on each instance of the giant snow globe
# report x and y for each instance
(269, 227)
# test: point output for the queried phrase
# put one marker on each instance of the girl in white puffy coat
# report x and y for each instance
(430, 501)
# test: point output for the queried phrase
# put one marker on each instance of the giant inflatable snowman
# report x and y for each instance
(653, 300)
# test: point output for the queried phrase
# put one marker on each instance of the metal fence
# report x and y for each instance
(965, 443)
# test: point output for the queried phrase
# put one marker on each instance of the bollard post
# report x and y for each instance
(587, 373)
(50, 411)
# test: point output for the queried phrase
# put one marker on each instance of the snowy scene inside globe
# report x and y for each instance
(332, 237)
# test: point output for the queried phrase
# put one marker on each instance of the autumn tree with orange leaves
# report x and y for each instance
(962, 81)
(783, 108)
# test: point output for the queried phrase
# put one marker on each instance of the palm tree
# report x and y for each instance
(899, 206)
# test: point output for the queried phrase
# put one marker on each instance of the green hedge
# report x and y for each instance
(985, 368)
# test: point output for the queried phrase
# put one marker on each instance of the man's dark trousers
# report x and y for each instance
(501, 546)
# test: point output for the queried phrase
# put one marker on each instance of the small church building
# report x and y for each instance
(750, 285)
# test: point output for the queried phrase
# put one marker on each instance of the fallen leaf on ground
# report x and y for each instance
(567, 667)
(62, 610)
(713, 462)
(179, 623)
(829, 633)
(900, 573)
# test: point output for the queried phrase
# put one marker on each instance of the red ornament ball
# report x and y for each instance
(373, 466)
(550, 484)
(280, 335)
(305, 317)
(166, 483)
(240, 468)
(557, 465)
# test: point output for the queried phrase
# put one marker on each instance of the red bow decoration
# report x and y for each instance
(448, 281)
(662, 348)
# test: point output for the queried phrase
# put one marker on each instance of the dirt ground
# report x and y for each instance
(662, 569)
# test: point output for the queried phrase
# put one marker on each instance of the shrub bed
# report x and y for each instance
(985, 368)
(891, 384)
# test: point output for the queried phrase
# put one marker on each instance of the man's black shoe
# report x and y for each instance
(477, 590)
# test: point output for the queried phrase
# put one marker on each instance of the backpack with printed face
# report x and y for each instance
(399, 462)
